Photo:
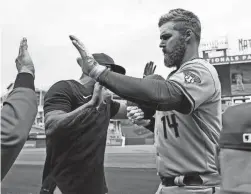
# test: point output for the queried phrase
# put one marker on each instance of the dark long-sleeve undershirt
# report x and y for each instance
(157, 94)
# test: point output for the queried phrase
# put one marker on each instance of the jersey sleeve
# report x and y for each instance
(58, 97)
(196, 83)
(114, 108)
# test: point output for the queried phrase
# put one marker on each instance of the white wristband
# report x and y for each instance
(96, 71)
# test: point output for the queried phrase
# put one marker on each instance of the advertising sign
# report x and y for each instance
(244, 45)
(229, 59)
(235, 79)
(239, 45)
(240, 75)
(219, 43)
(234, 45)
(233, 64)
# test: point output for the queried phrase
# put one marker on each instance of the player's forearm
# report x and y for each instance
(60, 122)
(17, 116)
(157, 94)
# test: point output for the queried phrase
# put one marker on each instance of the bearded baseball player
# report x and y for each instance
(187, 104)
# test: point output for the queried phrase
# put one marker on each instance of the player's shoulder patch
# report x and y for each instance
(191, 77)
(191, 67)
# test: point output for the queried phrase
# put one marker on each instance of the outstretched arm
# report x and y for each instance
(148, 112)
(19, 111)
(158, 94)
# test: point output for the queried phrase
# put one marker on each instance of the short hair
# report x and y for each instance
(185, 20)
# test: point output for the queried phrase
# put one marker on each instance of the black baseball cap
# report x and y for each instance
(106, 60)
(236, 131)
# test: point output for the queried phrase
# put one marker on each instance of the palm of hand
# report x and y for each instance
(88, 60)
(149, 69)
(24, 61)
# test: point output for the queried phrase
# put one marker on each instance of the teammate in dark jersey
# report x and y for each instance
(234, 156)
(77, 116)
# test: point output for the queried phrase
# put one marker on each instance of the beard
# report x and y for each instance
(175, 57)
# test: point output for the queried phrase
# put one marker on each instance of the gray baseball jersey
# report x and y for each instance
(186, 143)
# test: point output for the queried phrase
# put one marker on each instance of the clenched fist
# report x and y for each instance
(136, 116)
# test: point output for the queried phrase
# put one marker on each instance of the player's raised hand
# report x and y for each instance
(80, 46)
(24, 62)
(149, 69)
(89, 63)
(81, 64)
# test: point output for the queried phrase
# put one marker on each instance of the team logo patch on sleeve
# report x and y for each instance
(191, 78)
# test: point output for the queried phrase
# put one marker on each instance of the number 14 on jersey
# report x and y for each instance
(171, 121)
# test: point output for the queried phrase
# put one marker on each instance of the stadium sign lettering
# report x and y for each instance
(220, 43)
(229, 59)
(244, 44)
